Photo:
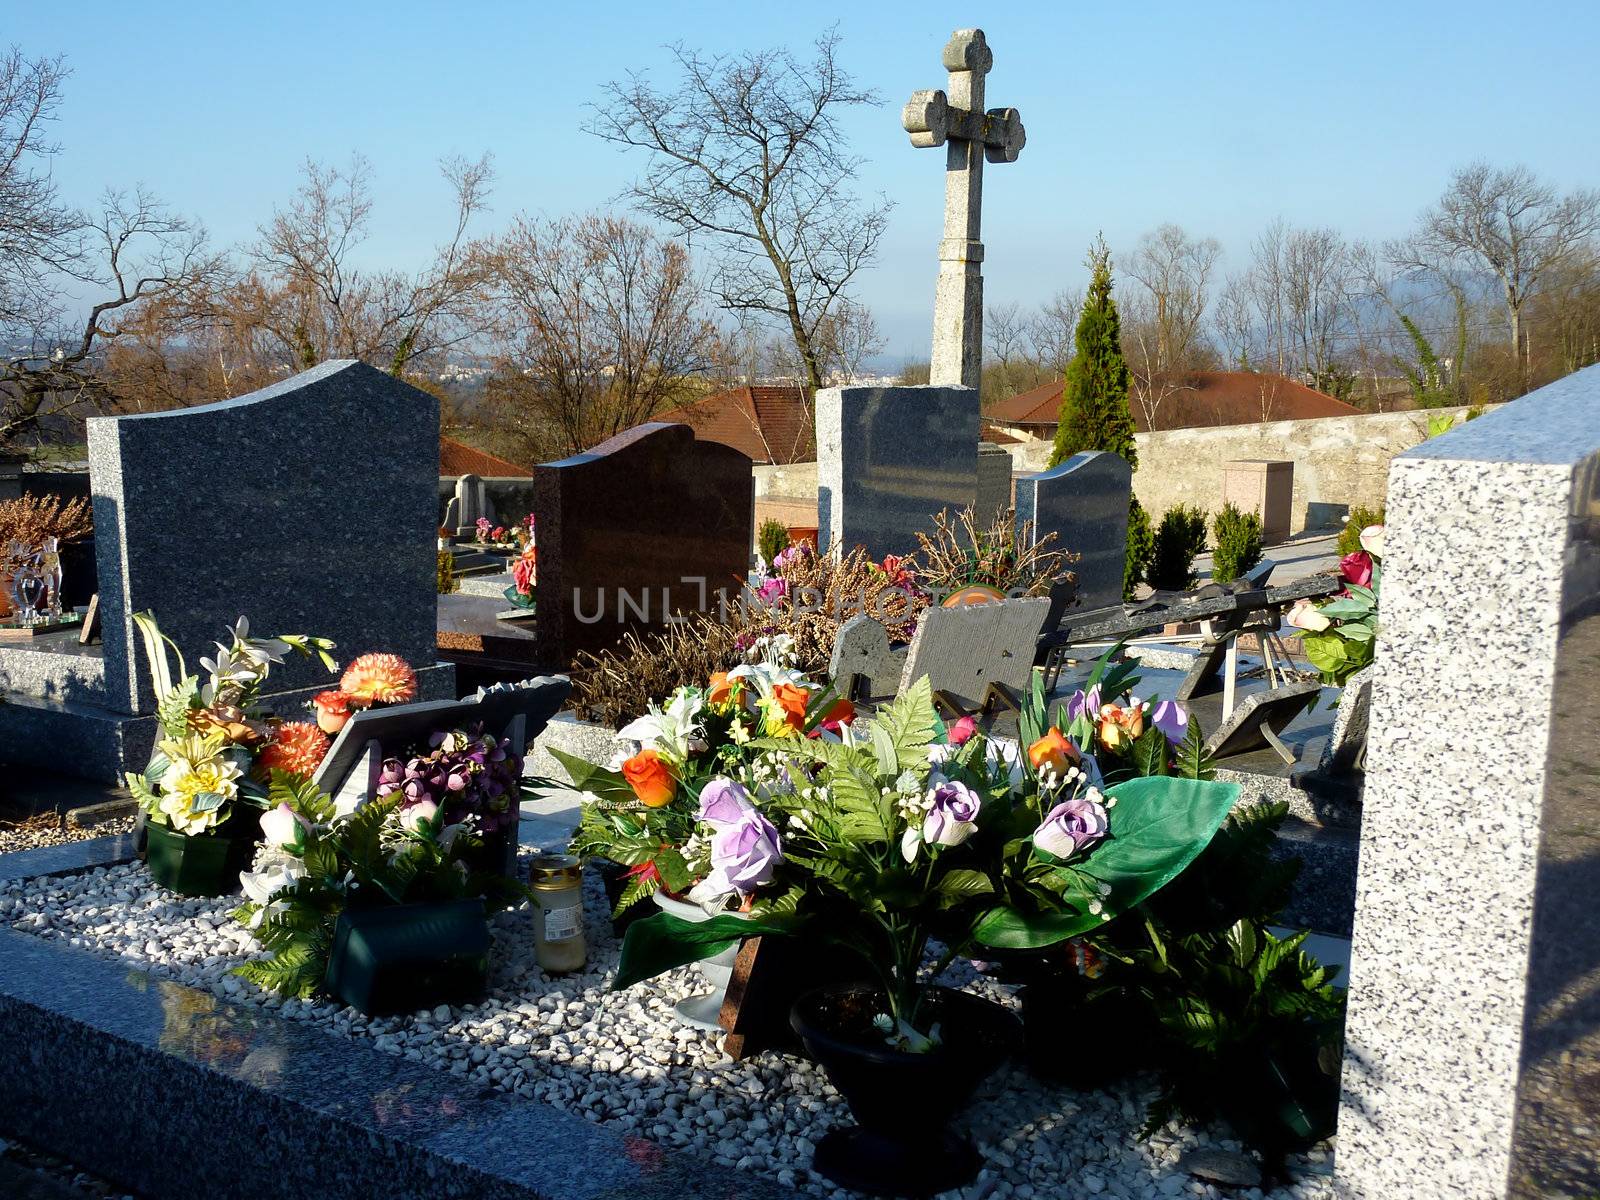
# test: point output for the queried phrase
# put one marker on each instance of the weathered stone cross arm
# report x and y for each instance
(930, 121)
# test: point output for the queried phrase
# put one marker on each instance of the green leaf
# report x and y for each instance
(1150, 753)
(1192, 760)
(1006, 928)
(963, 884)
(1355, 633)
(1325, 651)
(173, 710)
(662, 942)
(1341, 610)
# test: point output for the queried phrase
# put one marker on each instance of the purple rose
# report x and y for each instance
(724, 802)
(1084, 702)
(1169, 717)
(1070, 827)
(745, 852)
(954, 815)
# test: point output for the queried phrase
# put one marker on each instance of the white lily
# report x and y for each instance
(669, 729)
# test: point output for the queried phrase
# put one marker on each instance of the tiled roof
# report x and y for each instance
(1204, 398)
(458, 458)
(769, 424)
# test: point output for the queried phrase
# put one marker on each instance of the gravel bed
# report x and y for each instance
(622, 1058)
(48, 829)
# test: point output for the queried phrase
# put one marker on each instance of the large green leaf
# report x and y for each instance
(662, 942)
(1158, 826)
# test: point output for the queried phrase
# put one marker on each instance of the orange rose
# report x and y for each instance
(1052, 752)
(650, 779)
(720, 690)
(792, 700)
(333, 710)
(1119, 725)
(841, 713)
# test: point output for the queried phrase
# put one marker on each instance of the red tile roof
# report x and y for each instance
(458, 458)
(769, 424)
(1204, 398)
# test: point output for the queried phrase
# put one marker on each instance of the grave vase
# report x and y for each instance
(400, 958)
(902, 1102)
(203, 864)
(702, 1011)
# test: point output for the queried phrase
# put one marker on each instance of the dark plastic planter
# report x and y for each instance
(1281, 1099)
(902, 1103)
(405, 957)
(202, 864)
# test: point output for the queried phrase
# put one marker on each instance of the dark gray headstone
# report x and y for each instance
(994, 483)
(1084, 502)
(888, 459)
(1259, 719)
(308, 506)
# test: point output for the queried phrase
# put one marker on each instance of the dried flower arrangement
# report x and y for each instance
(32, 519)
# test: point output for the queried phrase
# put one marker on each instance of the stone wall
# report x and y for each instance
(1339, 462)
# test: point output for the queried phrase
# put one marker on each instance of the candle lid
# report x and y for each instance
(554, 868)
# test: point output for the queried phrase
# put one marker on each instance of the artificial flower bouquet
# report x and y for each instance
(900, 830)
(647, 811)
(319, 863)
(217, 748)
(1340, 635)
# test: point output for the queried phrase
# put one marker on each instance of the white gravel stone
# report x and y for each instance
(622, 1058)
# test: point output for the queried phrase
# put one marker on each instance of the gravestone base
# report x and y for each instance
(88, 741)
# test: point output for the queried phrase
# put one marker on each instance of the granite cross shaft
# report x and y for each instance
(935, 118)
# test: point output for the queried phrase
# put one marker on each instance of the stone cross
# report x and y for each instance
(934, 118)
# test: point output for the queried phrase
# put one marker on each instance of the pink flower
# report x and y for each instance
(773, 590)
(960, 733)
(1356, 568)
(1306, 615)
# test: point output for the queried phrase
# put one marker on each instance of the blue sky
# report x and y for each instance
(1217, 116)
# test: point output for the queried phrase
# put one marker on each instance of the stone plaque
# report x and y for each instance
(968, 650)
(888, 459)
(1084, 502)
(650, 524)
(309, 506)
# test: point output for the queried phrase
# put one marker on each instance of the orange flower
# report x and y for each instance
(226, 722)
(720, 689)
(297, 747)
(792, 700)
(333, 710)
(650, 779)
(1120, 725)
(379, 679)
(1053, 752)
(842, 712)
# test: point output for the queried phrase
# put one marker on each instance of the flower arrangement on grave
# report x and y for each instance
(470, 776)
(899, 831)
(317, 864)
(656, 812)
(217, 747)
(370, 681)
(524, 576)
(1340, 635)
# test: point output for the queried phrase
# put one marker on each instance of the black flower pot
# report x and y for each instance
(202, 864)
(902, 1103)
(404, 957)
(1051, 1003)
(1282, 1099)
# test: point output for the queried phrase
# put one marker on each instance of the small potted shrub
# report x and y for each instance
(206, 782)
(377, 908)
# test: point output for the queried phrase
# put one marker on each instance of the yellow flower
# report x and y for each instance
(196, 767)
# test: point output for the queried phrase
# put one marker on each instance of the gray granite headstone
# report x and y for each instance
(308, 506)
(994, 483)
(963, 650)
(1472, 1055)
(888, 459)
(1346, 747)
(470, 502)
(1084, 502)
(863, 663)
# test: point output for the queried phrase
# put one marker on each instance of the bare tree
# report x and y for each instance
(308, 292)
(845, 339)
(1053, 329)
(38, 234)
(596, 323)
(748, 153)
(1162, 325)
(135, 254)
(1511, 224)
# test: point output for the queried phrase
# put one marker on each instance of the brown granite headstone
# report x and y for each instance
(649, 524)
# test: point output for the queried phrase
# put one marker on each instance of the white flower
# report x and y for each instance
(1372, 540)
(283, 827)
(261, 886)
(910, 842)
(668, 729)
(411, 818)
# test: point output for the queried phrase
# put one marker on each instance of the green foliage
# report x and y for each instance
(1426, 379)
(1178, 539)
(1350, 536)
(1095, 414)
(772, 539)
(1192, 761)
(1141, 548)
(447, 580)
(1238, 537)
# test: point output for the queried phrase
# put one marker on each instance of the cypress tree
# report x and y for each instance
(1095, 414)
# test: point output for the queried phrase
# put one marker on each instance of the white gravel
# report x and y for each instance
(623, 1059)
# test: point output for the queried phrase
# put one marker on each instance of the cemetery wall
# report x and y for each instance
(1339, 462)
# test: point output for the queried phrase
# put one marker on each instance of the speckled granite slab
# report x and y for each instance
(1472, 1064)
(175, 1093)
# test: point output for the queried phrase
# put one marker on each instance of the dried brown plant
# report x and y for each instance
(959, 554)
(32, 519)
(617, 685)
